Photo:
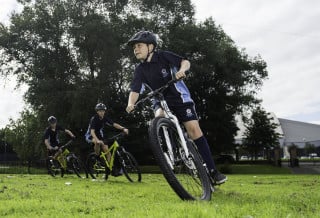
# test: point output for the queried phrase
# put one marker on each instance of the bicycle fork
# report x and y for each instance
(170, 154)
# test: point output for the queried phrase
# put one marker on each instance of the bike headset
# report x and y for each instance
(146, 37)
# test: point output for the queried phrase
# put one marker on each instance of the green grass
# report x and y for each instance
(242, 196)
(257, 169)
(235, 169)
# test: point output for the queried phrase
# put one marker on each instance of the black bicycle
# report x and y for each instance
(121, 162)
(178, 158)
(66, 162)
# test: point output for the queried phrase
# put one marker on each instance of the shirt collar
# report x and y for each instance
(155, 57)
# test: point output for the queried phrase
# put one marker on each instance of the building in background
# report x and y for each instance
(292, 133)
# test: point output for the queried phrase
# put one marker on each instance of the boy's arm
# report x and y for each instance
(185, 65)
(133, 98)
(46, 142)
(94, 137)
(118, 126)
(69, 133)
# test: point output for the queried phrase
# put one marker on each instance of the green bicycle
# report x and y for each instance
(66, 162)
(127, 163)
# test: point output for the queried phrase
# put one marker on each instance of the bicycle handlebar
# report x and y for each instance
(67, 144)
(156, 92)
(117, 136)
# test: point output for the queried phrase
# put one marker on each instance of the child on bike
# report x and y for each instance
(156, 69)
(97, 123)
(51, 139)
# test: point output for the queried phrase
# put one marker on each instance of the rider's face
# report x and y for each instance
(101, 113)
(53, 125)
(140, 50)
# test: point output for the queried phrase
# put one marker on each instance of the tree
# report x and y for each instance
(261, 132)
(309, 148)
(25, 137)
(73, 54)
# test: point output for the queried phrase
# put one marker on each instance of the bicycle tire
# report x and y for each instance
(130, 166)
(212, 182)
(76, 166)
(181, 189)
(92, 168)
(91, 160)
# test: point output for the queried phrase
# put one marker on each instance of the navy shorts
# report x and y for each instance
(184, 112)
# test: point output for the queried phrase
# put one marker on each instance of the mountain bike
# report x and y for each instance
(66, 162)
(179, 161)
(126, 162)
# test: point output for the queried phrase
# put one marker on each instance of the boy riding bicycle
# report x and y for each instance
(51, 139)
(97, 123)
(156, 70)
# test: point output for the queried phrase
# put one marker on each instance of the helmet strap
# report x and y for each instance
(149, 52)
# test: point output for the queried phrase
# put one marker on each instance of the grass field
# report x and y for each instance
(244, 196)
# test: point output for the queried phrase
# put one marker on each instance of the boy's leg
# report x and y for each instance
(105, 149)
(196, 135)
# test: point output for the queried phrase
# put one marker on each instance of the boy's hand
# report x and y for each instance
(180, 74)
(130, 108)
(126, 131)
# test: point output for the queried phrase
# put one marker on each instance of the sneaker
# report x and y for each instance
(218, 177)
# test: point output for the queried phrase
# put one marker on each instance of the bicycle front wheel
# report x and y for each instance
(185, 174)
(77, 166)
(130, 166)
(53, 166)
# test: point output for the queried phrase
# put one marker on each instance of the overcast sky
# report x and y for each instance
(285, 33)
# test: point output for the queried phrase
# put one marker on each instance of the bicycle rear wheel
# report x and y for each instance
(130, 166)
(77, 166)
(185, 174)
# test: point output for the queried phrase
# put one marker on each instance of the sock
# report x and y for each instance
(205, 152)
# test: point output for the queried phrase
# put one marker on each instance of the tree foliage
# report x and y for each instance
(73, 54)
(25, 136)
(261, 132)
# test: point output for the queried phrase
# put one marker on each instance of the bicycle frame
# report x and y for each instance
(174, 119)
(168, 114)
(111, 150)
(62, 158)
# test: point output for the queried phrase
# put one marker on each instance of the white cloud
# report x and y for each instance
(10, 100)
(286, 34)
(7, 7)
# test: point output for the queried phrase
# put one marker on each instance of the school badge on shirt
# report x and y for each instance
(189, 112)
(164, 72)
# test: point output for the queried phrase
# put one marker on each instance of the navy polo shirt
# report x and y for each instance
(52, 135)
(158, 72)
(98, 124)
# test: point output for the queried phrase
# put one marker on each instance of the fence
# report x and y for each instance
(18, 167)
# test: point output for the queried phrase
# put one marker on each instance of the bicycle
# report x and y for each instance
(65, 162)
(176, 154)
(100, 165)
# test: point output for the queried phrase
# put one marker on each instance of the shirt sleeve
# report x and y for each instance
(137, 82)
(173, 59)
(60, 128)
(46, 134)
(93, 123)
